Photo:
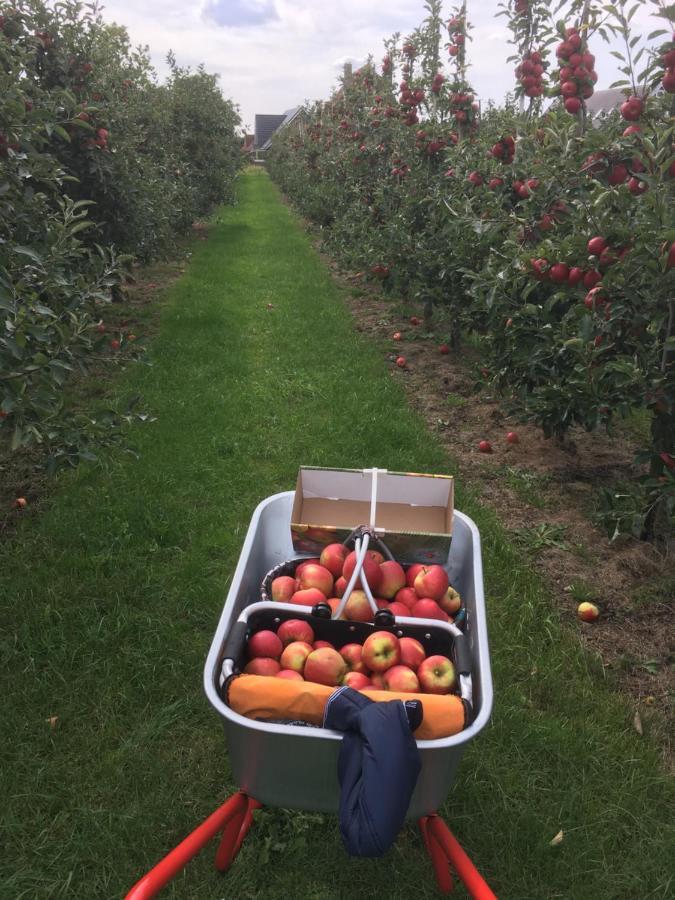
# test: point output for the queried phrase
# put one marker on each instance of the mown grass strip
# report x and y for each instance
(111, 597)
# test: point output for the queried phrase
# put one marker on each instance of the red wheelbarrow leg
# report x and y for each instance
(438, 858)
(233, 836)
(234, 809)
(439, 833)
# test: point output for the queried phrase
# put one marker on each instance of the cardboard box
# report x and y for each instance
(411, 512)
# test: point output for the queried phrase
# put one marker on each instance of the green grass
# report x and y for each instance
(111, 595)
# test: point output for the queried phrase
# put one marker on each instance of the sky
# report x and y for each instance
(273, 55)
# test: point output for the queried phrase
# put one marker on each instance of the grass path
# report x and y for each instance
(109, 599)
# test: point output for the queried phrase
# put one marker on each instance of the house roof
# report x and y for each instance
(605, 101)
(270, 128)
(265, 126)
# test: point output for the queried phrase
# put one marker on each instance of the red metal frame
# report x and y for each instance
(234, 818)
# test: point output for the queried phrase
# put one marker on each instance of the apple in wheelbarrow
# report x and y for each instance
(262, 666)
(295, 630)
(392, 580)
(401, 679)
(381, 651)
(316, 576)
(264, 643)
(325, 666)
(352, 655)
(283, 588)
(357, 681)
(295, 656)
(333, 558)
(436, 675)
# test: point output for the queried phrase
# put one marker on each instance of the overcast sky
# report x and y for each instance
(275, 54)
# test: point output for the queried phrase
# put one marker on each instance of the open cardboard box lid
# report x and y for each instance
(330, 503)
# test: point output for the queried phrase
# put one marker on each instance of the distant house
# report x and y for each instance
(247, 143)
(267, 126)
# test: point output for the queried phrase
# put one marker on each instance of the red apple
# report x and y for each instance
(407, 596)
(295, 654)
(295, 630)
(426, 608)
(588, 612)
(351, 653)
(436, 675)
(262, 666)
(399, 609)
(325, 666)
(377, 681)
(392, 579)
(308, 597)
(450, 602)
(444, 349)
(401, 679)
(431, 581)
(334, 603)
(401, 362)
(397, 336)
(412, 573)
(358, 608)
(340, 586)
(485, 447)
(307, 562)
(381, 651)
(283, 588)
(290, 675)
(412, 652)
(264, 643)
(357, 681)
(512, 437)
(317, 645)
(333, 558)
(371, 568)
(316, 576)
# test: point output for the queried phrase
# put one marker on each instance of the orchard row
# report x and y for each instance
(548, 235)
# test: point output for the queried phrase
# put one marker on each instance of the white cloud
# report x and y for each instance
(273, 54)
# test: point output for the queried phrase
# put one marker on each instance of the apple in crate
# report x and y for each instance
(340, 586)
(295, 630)
(412, 653)
(283, 588)
(352, 655)
(381, 651)
(308, 597)
(315, 576)
(306, 562)
(400, 609)
(325, 666)
(264, 643)
(371, 568)
(426, 608)
(412, 574)
(401, 679)
(317, 645)
(290, 675)
(431, 581)
(262, 666)
(357, 680)
(407, 596)
(436, 675)
(358, 608)
(450, 602)
(333, 558)
(295, 655)
(392, 579)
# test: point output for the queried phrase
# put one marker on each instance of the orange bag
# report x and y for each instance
(266, 697)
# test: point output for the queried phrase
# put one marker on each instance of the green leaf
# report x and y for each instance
(26, 251)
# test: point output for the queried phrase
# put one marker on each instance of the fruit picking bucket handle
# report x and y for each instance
(361, 548)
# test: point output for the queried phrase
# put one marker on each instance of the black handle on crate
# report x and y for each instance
(235, 641)
(462, 654)
(322, 611)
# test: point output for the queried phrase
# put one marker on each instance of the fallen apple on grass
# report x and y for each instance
(588, 612)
